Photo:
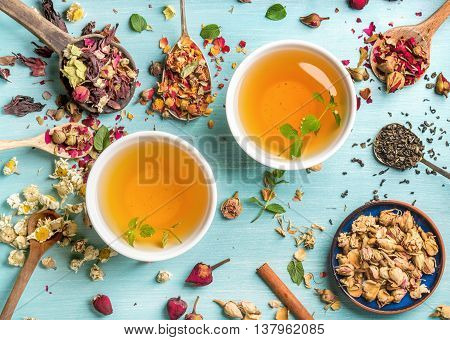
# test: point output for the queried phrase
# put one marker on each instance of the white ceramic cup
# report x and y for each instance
(118, 243)
(250, 147)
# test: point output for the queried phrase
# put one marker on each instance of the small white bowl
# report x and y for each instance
(250, 147)
(118, 243)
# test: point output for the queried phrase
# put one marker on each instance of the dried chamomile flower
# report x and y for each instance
(20, 242)
(27, 208)
(442, 312)
(75, 12)
(48, 262)
(76, 264)
(90, 253)
(329, 299)
(73, 208)
(61, 169)
(16, 258)
(169, 12)
(14, 201)
(282, 314)
(7, 234)
(48, 202)
(64, 242)
(11, 167)
(64, 188)
(106, 253)
(70, 228)
(318, 227)
(79, 246)
(5, 221)
(274, 304)
(163, 276)
(31, 193)
(96, 273)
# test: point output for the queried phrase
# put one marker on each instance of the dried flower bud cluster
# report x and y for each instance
(384, 258)
(243, 310)
(313, 20)
(73, 139)
(232, 207)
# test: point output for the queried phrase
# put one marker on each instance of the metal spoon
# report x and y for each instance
(58, 40)
(40, 143)
(36, 251)
(422, 160)
(422, 33)
(184, 35)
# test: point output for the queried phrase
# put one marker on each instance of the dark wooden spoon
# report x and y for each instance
(58, 40)
(422, 33)
(36, 251)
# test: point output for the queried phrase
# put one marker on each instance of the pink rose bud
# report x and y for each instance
(81, 94)
(358, 4)
(147, 94)
(102, 304)
(176, 308)
(201, 274)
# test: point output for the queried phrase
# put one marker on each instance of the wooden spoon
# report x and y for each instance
(39, 142)
(58, 40)
(184, 35)
(422, 33)
(36, 251)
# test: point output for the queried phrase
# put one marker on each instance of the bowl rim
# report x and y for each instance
(100, 225)
(439, 241)
(262, 156)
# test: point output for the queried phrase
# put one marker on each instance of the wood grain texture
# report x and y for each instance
(130, 284)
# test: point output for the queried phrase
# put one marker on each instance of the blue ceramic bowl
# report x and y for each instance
(431, 281)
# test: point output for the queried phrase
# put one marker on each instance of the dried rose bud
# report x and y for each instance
(201, 274)
(156, 69)
(232, 207)
(313, 20)
(193, 315)
(442, 85)
(147, 94)
(267, 194)
(358, 4)
(358, 73)
(58, 137)
(388, 66)
(176, 308)
(394, 81)
(81, 94)
(102, 304)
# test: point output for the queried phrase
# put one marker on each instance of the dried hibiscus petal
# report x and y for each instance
(51, 15)
(36, 65)
(43, 51)
(22, 105)
(201, 274)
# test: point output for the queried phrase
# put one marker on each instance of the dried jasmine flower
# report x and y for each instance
(313, 20)
(51, 15)
(22, 105)
(163, 276)
(75, 264)
(75, 12)
(232, 207)
(442, 312)
(16, 258)
(282, 314)
(96, 273)
(48, 262)
(442, 85)
(11, 167)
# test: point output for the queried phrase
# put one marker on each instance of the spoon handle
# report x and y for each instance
(29, 18)
(431, 25)
(436, 168)
(12, 144)
(21, 283)
(184, 30)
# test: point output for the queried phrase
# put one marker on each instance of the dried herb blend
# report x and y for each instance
(185, 89)
(398, 147)
(73, 139)
(98, 74)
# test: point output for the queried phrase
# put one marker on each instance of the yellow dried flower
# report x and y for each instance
(11, 167)
(75, 12)
(169, 12)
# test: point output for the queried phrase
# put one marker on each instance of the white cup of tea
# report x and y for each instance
(242, 103)
(105, 199)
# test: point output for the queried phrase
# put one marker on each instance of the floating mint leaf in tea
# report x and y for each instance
(398, 147)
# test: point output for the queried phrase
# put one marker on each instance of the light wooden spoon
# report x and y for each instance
(422, 33)
(184, 35)
(36, 251)
(58, 40)
(39, 143)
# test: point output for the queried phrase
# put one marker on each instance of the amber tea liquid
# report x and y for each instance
(158, 179)
(279, 89)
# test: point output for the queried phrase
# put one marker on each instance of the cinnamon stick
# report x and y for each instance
(283, 293)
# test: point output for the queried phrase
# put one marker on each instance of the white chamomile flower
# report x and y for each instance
(31, 193)
(73, 208)
(11, 167)
(14, 201)
(41, 234)
(16, 258)
(61, 169)
(49, 202)
(64, 187)
(27, 208)
(20, 242)
(5, 220)
(21, 227)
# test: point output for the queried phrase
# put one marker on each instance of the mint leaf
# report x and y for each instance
(211, 31)
(310, 124)
(317, 96)
(296, 271)
(138, 23)
(133, 222)
(255, 200)
(147, 231)
(276, 12)
(331, 104)
(296, 148)
(337, 117)
(130, 236)
(275, 208)
(101, 135)
(288, 131)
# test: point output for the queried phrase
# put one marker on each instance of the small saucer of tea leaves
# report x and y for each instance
(387, 257)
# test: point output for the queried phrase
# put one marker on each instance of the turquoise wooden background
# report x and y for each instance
(130, 284)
